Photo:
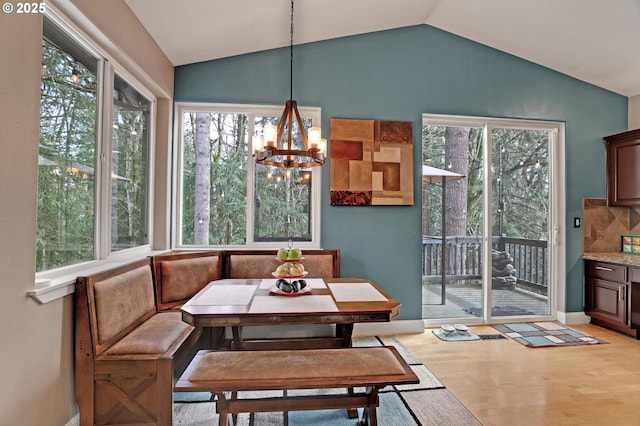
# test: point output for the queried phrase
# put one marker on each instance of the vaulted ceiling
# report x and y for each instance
(597, 41)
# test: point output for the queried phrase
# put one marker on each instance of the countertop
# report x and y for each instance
(619, 258)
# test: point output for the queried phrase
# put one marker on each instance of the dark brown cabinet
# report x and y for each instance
(608, 296)
(608, 300)
(623, 168)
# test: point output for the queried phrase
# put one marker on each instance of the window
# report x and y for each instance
(227, 200)
(129, 171)
(81, 133)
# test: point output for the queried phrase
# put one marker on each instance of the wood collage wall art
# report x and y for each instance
(371, 162)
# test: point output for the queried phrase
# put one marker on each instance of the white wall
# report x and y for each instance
(36, 349)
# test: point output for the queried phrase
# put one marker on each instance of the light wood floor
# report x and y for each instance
(505, 383)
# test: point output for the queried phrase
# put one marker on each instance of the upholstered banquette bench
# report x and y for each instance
(130, 341)
(127, 352)
(230, 372)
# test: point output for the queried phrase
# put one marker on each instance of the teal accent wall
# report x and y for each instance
(399, 75)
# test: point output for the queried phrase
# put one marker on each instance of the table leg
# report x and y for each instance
(345, 331)
(216, 337)
(237, 337)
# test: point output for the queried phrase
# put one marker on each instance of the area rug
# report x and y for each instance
(426, 403)
(542, 334)
(500, 311)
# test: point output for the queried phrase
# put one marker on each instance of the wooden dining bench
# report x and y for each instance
(222, 372)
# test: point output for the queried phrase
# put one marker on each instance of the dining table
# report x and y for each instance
(237, 303)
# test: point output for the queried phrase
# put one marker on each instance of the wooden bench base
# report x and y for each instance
(224, 372)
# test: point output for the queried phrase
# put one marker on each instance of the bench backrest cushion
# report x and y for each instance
(261, 263)
(122, 299)
(179, 276)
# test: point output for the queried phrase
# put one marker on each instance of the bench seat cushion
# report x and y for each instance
(154, 336)
(296, 364)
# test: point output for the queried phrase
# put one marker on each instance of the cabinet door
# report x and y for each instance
(634, 277)
(623, 169)
(607, 300)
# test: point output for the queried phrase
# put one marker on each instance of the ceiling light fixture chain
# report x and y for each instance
(271, 149)
(291, 56)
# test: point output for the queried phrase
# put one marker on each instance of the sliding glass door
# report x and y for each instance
(488, 219)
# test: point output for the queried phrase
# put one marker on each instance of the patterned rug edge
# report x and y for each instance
(546, 334)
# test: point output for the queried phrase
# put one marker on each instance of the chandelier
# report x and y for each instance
(272, 149)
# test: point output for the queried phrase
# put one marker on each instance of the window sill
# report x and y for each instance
(53, 285)
(49, 289)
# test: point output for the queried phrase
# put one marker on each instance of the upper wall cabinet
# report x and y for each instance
(623, 168)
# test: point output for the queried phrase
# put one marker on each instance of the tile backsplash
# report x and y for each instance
(603, 226)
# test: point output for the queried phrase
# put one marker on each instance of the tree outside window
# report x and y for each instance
(66, 160)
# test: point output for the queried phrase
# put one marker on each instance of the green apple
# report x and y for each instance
(294, 254)
(283, 269)
(283, 253)
(295, 270)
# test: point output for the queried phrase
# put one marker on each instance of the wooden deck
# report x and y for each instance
(468, 296)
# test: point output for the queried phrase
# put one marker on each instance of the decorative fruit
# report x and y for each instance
(294, 254)
(283, 269)
(295, 269)
(283, 253)
(286, 287)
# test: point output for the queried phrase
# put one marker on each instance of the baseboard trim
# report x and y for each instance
(387, 328)
(75, 420)
(573, 318)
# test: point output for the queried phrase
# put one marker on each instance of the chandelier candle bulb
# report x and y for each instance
(322, 146)
(270, 134)
(314, 136)
(258, 143)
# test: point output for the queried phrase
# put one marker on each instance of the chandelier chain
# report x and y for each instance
(274, 151)
(291, 56)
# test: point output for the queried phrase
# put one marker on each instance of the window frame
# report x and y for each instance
(312, 113)
(58, 282)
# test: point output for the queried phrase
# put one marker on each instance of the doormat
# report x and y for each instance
(541, 334)
(491, 336)
(455, 336)
(500, 311)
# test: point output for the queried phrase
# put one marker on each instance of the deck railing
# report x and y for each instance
(464, 259)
